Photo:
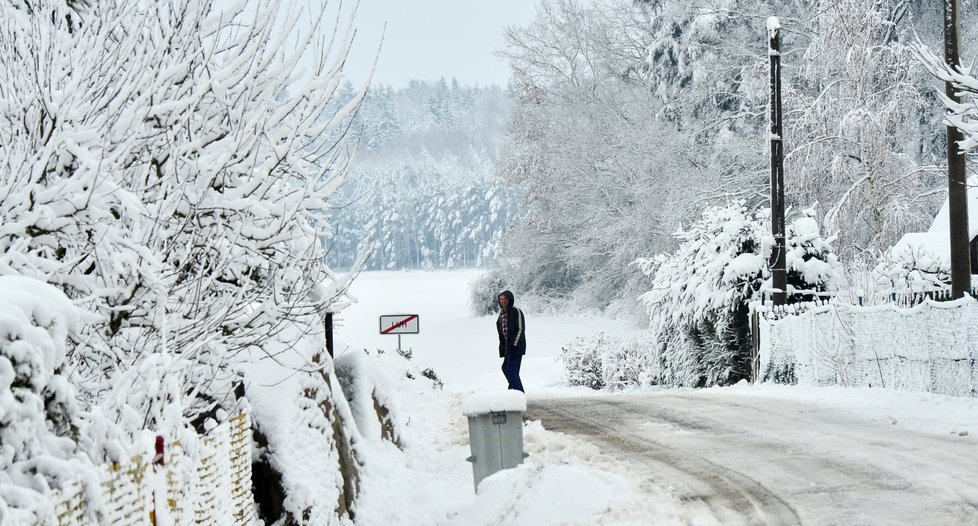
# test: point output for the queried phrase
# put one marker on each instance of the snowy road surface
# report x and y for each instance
(745, 460)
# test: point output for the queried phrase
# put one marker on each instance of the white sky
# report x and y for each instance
(429, 39)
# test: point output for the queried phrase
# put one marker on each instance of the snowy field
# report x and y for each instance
(565, 480)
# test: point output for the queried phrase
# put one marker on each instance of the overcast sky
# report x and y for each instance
(429, 39)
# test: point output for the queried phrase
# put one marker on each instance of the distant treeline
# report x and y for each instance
(421, 193)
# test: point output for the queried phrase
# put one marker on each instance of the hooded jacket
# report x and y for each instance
(513, 343)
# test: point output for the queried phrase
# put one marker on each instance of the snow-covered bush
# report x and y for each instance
(39, 418)
(484, 291)
(911, 267)
(162, 164)
(608, 362)
(699, 302)
(813, 268)
(582, 363)
(171, 181)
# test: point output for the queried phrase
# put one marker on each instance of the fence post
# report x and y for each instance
(158, 457)
(755, 345)
(329, 333)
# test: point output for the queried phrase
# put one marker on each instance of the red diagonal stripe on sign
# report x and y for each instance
(399, 324)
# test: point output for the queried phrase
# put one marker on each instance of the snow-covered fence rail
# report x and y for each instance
(213, 486)
(930, 347)
(905, 299)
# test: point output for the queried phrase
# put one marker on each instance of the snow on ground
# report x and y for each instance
(565, 480)
(924, 412)
(461, 347)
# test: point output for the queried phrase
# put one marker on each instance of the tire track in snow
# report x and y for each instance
(728, 495)
(747, 461)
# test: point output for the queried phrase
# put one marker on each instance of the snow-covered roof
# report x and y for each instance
(935, 244)
(941, 222)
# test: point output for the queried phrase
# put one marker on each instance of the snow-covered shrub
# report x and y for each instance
(627, 362)
(699, 302)
(172, 181)
(430, 374)
(813, 268)
(913, 267)
(608, 362)
(39, 418)
(582, 363)
(484, 291)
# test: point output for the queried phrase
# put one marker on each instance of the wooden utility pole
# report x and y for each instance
(779, 273)
(957, 180)
(328, 326)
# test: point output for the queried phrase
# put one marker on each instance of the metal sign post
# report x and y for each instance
(399, 324)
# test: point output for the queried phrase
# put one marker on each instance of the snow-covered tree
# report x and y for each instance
(162, 164)
(962, 115)
(619, 134)
(861, 127)
(632, 117)
(156, 166)
(699, 297)
(421, 192)
(700, 294)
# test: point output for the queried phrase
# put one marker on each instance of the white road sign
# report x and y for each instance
(399, 324)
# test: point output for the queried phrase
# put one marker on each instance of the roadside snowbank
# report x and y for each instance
(429, 483)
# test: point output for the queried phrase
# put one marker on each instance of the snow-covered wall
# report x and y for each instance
(930, 347)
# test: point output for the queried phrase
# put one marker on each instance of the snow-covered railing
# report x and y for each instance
(930, 347)
(899, 299)
(213, 488)
(777, 312)
(909, 299)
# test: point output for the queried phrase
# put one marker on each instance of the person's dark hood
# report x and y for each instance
(509, 296)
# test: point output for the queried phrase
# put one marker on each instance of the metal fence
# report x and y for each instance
(765, 307)
(929, 347)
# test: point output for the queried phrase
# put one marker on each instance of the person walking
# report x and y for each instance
(512, 338)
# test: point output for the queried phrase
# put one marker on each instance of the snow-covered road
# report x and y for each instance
(749, 460)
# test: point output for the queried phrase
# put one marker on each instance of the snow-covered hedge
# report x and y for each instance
(39, 418)
(609, 362)
(930, 347)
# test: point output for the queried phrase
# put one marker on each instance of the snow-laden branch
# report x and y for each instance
(157, 163)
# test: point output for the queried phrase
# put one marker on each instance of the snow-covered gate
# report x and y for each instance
(931, 347)
(214, 488)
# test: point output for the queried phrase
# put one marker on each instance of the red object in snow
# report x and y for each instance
(158, 457)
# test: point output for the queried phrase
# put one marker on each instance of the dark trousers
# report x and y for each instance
(511, 368)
